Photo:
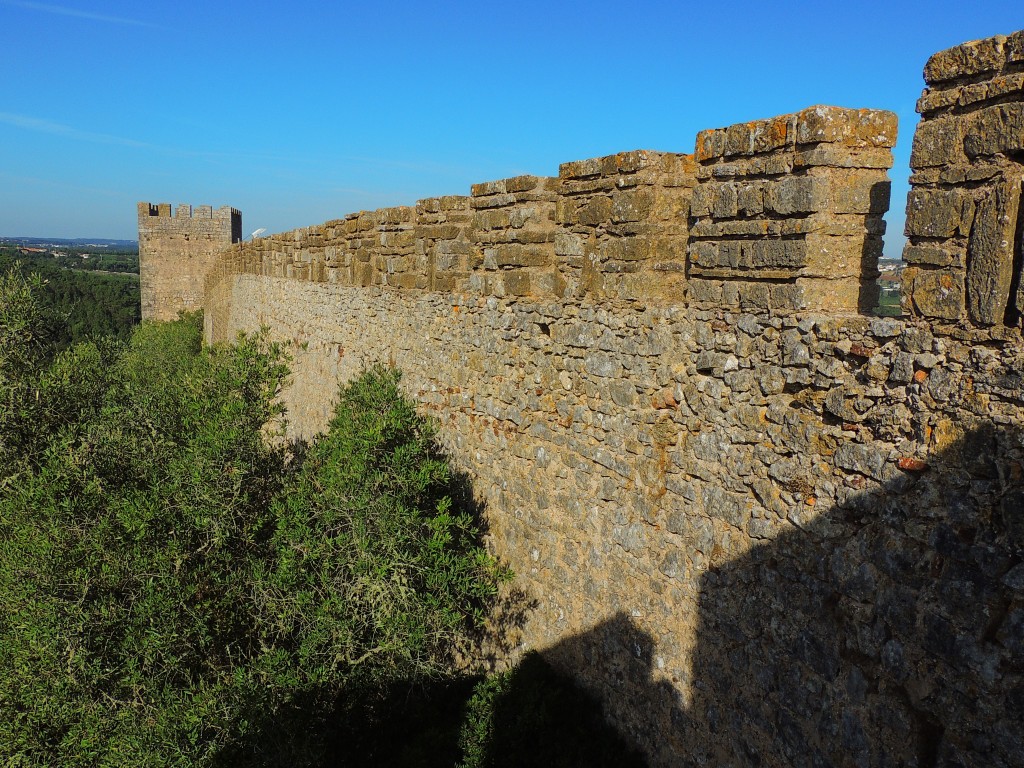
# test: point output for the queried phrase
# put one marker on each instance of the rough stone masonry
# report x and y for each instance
(763, 526)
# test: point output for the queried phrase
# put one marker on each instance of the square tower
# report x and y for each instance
(176, 250)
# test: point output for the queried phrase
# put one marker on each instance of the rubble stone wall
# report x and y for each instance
(763, 526)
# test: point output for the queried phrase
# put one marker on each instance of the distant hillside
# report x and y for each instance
(76, 242)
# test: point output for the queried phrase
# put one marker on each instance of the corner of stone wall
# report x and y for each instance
(965, 224)
(787, 212)
(622, 225)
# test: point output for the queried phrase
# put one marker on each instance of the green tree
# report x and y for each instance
(178, 586)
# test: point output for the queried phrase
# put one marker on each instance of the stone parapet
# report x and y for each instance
(964, 220)
(623, 225)
(513, 223)
(787, 212)
(761, 526)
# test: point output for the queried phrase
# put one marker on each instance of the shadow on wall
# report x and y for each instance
(886, 633)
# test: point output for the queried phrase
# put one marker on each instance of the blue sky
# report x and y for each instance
(301, 112)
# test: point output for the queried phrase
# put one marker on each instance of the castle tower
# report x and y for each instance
(176, 250)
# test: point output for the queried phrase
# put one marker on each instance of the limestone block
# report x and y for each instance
(935, 293)
(597, 211)
(797, 194)
(516, 255)
(634, 205)
(750, 199)
(516, 282)
(994, 130)
(964, 60)
(579, 169)
(858, 191)
(840, 256)
(932, 255)
(938, 141)
(933, 212)
(1015, 47)
(725, 201)
(990, 252)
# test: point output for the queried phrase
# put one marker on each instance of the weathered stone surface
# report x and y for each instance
(971, 58)
(990, 252)
(937, 293)
(933, 213)
(761, 528)
(995, 130)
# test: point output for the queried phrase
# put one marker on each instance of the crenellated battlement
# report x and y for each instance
(186, 211)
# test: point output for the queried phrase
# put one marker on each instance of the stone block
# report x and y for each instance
(995, 130)
(932, 255)
(750, 199)
(1015, 47)
(842, 256)
(517, 282)
(990, 251)
(933, 212)
(724, 201)
(938, 141)
(702, 200)
(935, 293)
(797, 194)
(522, 183)
(964, 60)
(516, 255)
(629, 248)
(568, 244)
(768, 135)
(860, 192)
(739, 139)
(710, 144)
(822, 123)
(634, 205)
(580, 169)
(597, 211)
(774, 254)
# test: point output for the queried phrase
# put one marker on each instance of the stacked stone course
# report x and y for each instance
(623, 226)
(964, 217)
(788, 211)
(763, 527)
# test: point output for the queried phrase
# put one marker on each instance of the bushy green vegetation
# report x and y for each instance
(171, 579)
(95, 304)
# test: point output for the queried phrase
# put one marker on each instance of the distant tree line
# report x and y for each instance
(93, 304)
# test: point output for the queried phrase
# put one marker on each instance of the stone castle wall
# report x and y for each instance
(764, 527)
(176, 250)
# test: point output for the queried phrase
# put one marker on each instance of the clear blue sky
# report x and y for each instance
(297, 112)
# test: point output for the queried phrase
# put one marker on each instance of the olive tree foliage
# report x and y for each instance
(173, 576)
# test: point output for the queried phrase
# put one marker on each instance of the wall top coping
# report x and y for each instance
(853, 128)
(976, 57)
